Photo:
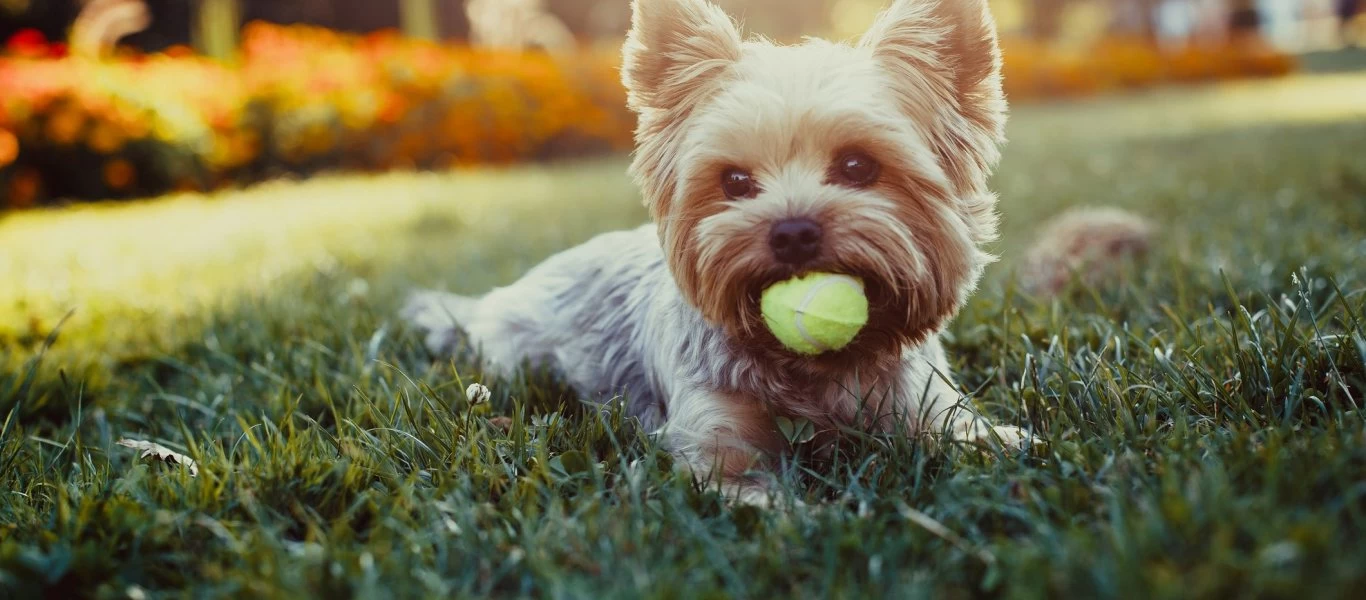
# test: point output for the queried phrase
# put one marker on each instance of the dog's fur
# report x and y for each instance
(667, 315)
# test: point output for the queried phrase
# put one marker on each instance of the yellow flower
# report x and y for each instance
(106, 138)
(65, 125)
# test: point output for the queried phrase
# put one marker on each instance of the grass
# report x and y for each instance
(1206, 436)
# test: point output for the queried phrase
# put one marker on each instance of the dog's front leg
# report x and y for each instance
(723, 438)
(934, 405)
(942, 410)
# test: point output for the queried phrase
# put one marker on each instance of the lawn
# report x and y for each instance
(1205, 436)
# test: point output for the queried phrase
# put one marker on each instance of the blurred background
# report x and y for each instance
(104, 99)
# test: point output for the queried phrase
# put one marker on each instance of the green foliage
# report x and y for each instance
(1204, 420)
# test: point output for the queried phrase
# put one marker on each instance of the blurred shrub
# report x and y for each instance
(89, 129)
(303, 99)
(1034, 70)
(299, 100)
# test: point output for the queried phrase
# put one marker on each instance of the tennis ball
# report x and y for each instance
(815, 313)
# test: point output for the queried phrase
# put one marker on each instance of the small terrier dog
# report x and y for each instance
(760, 162)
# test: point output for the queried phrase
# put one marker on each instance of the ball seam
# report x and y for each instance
(800, 310)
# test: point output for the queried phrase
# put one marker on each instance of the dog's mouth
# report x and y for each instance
(878, 292)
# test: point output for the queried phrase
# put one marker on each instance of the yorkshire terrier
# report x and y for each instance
(759, 162)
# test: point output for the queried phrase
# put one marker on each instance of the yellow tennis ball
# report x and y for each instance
(815, 313)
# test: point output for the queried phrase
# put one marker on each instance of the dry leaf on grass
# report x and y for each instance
(161, 453)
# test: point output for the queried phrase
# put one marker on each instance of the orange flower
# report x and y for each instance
(119, 174)
(65, 125)
(24, 188)
(106, 138)
(9, 148)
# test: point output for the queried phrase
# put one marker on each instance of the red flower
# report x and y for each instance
(28, 42)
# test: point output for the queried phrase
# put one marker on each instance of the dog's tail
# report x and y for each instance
(1094, 243)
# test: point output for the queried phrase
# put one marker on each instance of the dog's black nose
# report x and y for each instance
(795, 241)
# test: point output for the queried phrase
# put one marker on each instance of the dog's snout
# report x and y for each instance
(795, 241)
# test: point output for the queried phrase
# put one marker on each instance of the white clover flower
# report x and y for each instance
(478, 393)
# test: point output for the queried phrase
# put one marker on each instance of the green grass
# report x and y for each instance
(1206, 436)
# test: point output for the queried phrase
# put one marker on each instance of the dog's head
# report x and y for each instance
(760, 161)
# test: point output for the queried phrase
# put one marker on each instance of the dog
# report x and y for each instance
(759, 162)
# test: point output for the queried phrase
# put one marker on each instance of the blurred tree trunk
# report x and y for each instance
(419, 18)
(593, 18)
(1244, 18)
(1137, 17)
(452, 21)
(1147, 22)
(1046, 19)
(217, 22)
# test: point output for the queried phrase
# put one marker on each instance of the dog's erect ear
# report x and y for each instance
(946, 65)
(676, 52)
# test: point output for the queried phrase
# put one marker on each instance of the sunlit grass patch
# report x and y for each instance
(132, 272)
(1302, 100)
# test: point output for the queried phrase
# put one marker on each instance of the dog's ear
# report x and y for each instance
(676, 52)
(946, 66)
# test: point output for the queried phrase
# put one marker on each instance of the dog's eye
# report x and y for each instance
(737, 184)
(857, 169)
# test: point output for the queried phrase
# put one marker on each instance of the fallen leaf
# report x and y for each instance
(161, 453)
(796, 431)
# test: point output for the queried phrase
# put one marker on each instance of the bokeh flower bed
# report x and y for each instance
(298, 100)
(303, 99)
(1034, 70)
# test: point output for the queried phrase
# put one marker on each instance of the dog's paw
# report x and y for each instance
(760, 496)
(1001, 437)
(1013, 438)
